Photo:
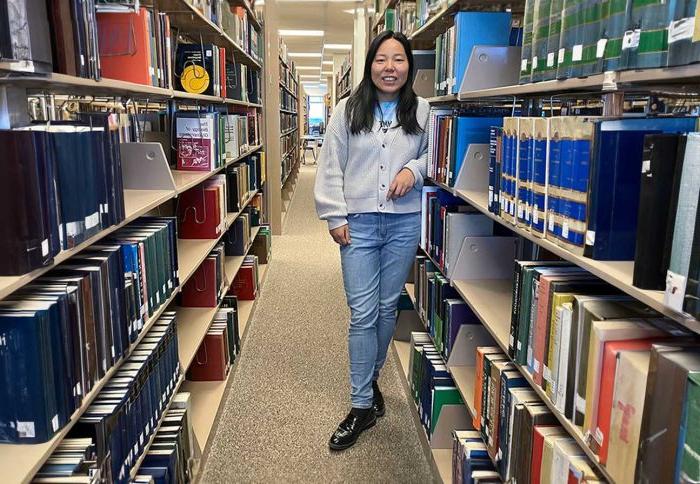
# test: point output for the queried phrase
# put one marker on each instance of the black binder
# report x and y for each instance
(662, 162)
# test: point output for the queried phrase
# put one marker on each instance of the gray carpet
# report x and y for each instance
(291, 386)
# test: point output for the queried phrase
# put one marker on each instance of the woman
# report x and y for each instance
(368, 185)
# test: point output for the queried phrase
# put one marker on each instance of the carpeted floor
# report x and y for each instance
(291, 386)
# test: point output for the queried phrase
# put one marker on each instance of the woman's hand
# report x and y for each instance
(341, 235)
(402, 184)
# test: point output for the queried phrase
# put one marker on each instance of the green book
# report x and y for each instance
(526, 56)
(443, 396)
(690, 452)
(540, 34)
(390, 19)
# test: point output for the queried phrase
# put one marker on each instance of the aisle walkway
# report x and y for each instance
(291, 385)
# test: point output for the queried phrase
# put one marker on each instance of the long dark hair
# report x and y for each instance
(359, 111)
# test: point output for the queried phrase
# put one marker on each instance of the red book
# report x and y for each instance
(244, 285)
(210, 361)
(540, 432)
(125, 47)
(601, 436)
(198, 213)
(222, 71)
(200, 290)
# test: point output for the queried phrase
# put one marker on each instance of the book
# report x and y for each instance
(197, 141)
(667, 383)
(475, 28)
(602, 333)
(687, 206)
(195, 65)
(661, 160)
(626, 414)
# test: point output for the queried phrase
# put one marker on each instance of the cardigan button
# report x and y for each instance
(383, 145)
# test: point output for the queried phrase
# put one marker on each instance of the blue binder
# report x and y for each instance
(469, 130)
(477, 28)
(615, 183)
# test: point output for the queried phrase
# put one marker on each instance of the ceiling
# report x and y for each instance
(334, 18)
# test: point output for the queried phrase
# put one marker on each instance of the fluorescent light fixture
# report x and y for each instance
(328, 73)
(327, 63)
(301, 76)
(337, 46)
(308, 68)
(305, 54)
(300, 33)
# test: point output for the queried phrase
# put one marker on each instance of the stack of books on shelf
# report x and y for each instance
(205, 288)
(613, 37)
(201, 69)
(236, 24)
(119, 423)
(206, 140)
(93, 308)
(202, 210)
(245, 284)
(56, 166)
(440, 306)
(454, 47)
(134, 46)
(430, 382)
(555, 177)
(220, 346)
(237, 237)
(262, 245)
(451, 132)
(172, 456)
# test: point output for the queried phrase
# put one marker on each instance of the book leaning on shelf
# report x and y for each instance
(202, 210)
(201, 69)
(221, 345)
(60, 205)
(92, 308)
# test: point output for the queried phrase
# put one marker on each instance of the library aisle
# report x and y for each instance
(291, 384)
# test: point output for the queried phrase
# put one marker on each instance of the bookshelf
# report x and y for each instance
(290, 137)
(16, 84)
(343, 86)
(491, 299)
(440, 459)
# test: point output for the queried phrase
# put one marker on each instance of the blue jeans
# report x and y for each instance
(375, 267)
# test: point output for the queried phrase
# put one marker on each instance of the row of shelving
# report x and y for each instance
(106, 87)
(186, 17)
(288, 89)
(137, 203)
(440, 459)
(288, 132)
(288, 111)
(616, 273)
(25, 460)
(193, 324)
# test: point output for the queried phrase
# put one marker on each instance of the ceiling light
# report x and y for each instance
(308, 68)
(308, 75)
(304, 54)
(327, 63)
(300, 33)
(338, 46)
(329, 73)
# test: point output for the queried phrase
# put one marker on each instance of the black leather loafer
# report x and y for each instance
(350, 429)
(378, 403)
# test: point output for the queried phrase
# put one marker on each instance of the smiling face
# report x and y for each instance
(389, 69)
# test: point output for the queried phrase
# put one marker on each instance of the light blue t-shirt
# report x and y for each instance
(385, 114)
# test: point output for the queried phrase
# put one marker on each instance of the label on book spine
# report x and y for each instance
(681, 29)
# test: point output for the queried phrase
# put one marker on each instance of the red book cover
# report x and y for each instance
(210, 361)
(244, 285)
(541, 328)
(601, 436)
(198, 213)
(125, 49)
(537, 450)
(200, 290)
(222, 71)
